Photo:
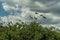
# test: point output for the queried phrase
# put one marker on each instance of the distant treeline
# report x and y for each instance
(33, 31)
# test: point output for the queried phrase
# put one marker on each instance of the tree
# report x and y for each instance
(33, 31)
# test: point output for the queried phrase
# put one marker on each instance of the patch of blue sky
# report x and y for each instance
(2, 11)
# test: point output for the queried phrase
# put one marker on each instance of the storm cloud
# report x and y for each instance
(24, 8)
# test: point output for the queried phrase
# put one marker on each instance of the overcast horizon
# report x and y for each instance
(15, 10)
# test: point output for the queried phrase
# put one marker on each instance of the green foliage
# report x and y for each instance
(33, 31)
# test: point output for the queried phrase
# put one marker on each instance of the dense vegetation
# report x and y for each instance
(33, 31)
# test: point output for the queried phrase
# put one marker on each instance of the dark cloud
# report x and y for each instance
(46, 1)
(52, 6)
(41, 6)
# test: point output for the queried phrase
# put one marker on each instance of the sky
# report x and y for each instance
(16, 10)
(2, 11)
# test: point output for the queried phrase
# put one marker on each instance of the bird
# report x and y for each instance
(36, 13)
(35, 18)
(40, 15)
(31, 17)
(43, 16)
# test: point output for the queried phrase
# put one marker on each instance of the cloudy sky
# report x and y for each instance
(16, 10)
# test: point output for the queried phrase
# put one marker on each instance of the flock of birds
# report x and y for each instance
(36, 18)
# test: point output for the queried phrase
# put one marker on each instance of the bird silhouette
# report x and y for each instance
(36, 13)
(31, 17)
(35, 18)
(43, 16)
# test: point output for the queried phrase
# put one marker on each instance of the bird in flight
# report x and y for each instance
(41, 15)
(36, 13)
(35, 18)
(31, 17)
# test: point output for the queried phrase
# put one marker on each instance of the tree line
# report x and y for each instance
(33, 31)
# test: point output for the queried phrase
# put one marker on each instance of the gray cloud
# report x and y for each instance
(50, 6)
(28, 7)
